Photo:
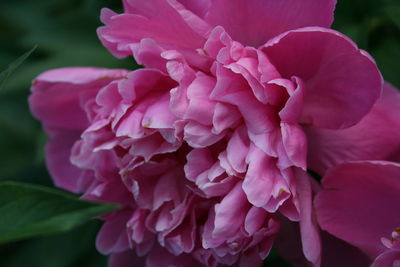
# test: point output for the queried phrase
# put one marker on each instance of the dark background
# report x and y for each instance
(64, 31)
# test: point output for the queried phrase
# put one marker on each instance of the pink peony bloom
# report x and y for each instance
(206, 148)
(359, 204)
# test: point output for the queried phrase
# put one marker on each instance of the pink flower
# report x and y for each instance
(359, 204)
(206, 148)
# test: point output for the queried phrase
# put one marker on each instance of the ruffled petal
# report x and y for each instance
(171, 26)
(341, 82)
(254, 22)
(375, 137)
(359, 203)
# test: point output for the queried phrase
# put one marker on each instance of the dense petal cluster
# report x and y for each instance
(206, 148)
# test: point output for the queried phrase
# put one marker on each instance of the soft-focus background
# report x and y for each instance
(65, 32)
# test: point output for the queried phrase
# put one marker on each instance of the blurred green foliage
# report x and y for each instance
(64, 31)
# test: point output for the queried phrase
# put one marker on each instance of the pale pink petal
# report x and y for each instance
(359, 203)
(264, 184)
(341, 82)
(254, 22)
(230, 213)
(375, 137)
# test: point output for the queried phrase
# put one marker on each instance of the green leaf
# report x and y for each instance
(29, 210)
(393, 12)
(13, 66)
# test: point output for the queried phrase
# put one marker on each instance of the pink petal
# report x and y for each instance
(113, 236)
(57, 100)
(295, 143)
(254, 22)
(309, 230)
(237, 149)
(57, 95)
(199, 7)
(359, 203)
(375, 137)
(230, 213)
(58, 151)
(171, 26)
(341, 82)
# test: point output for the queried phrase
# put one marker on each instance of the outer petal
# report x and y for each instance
(57, 100)
(254, 22)
(360, 203)
(376, 137)
(58, 152)
(57, 95)
(342, 82)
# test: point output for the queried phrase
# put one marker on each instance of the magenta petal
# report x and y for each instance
(341, 82)
(375, 137)
(253, 22)
(360, 203)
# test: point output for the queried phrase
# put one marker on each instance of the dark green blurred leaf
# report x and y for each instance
(393, 13)
(29, 210)
(13, 66)
(75, 248)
